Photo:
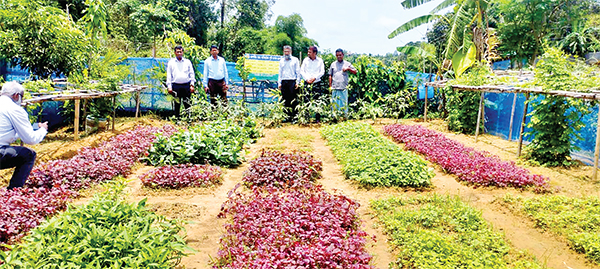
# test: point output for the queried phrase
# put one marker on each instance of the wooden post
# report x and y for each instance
(522, 125)
(479, 113)
(425, 114)
(76, 123)
(114, 112)
(137, 103)
(512, 116)
(597, 152)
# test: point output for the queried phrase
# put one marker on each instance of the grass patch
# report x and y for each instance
(432, 231)
(577, 219)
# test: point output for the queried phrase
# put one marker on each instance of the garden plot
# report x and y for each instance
(200, 206)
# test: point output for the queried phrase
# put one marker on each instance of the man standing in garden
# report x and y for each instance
(338, 81)
(14, 123)
(180, 79)
(312, 69)
(289, 77)
(215, 76)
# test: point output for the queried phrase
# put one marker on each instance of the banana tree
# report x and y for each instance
(461, 36)
(423, 53)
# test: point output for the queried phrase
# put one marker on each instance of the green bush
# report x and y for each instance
(372, 160)
(106, 233)
(443, 232)
(555, 120)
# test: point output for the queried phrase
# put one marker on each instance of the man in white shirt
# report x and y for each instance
(180, 79)
(289, 77)
(215, 76)
(312, 70)
(14, 123)
(312, 67)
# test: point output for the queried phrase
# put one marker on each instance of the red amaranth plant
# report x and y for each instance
(285, 170)
(22, 209)
(92, 165)
(183, 175)
(284, 228)
(477, 167)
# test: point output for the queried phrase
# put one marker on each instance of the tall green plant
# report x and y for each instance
(462, 105)
(554, 120)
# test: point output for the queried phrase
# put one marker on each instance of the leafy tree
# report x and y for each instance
(41, 38)
(525, 25)
(152, 20)
(252, 13)
(293, 27)
(437, 36)
(195, 17)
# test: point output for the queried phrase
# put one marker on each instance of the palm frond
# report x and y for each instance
(460, 22)
(414, 3)
(442, 5)
(413, 24)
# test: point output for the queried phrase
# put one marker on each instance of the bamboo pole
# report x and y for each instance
(137, 103)
(523, 125)
(479, 113)
(425, 115)
(114, 113)
(512, 116)
(597, 152)
(76, 123)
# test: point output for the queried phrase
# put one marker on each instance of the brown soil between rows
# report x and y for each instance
(199, 207)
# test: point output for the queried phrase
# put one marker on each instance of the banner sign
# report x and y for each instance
(262, 66)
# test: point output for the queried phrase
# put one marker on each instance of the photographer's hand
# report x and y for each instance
(43, 125)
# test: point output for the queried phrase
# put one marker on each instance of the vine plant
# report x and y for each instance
(555, 120)
(462, 105)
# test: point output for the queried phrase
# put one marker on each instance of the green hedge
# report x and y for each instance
(373, 160)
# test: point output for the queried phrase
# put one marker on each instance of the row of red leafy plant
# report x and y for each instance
(478, 167)
(289, 221)
(53, 184)
(283, 170)
(183, 175)
(99, 164)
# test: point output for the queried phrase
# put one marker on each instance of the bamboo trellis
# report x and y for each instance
(78, 95)
(591, 94)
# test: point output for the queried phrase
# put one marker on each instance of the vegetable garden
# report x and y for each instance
(349, 195)
(402, 181)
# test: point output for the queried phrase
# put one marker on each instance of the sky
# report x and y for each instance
(359, 26)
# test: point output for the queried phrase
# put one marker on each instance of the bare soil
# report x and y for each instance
(200, 207)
